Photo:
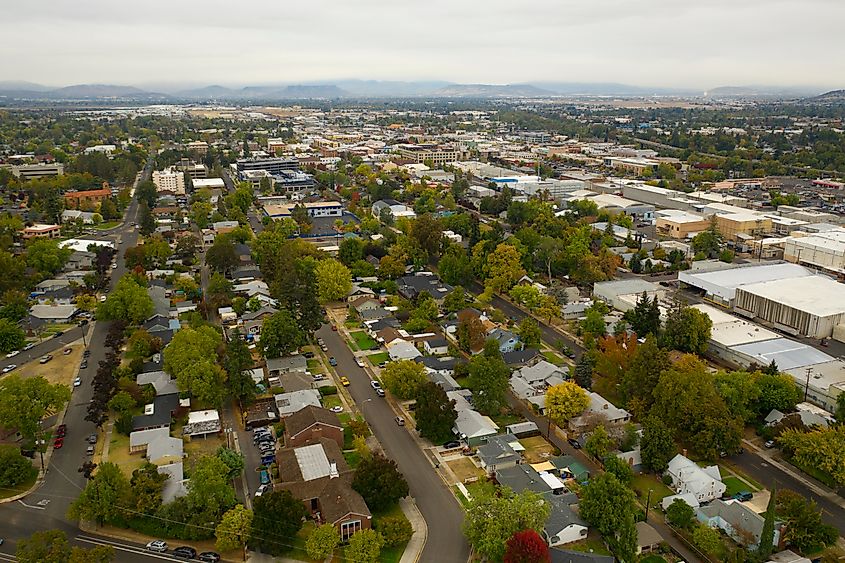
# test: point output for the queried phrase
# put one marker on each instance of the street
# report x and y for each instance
(443, 515)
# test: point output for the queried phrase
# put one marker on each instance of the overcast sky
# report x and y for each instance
(677, 43)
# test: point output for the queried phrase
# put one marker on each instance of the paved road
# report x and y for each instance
(49, 346)
(438, 506)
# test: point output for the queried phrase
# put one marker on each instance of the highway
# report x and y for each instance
(443, 515)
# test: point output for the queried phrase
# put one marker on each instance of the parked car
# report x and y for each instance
(58, 333)
(185, 552)
(336, 409)
(84, 364)
(400, 421)
(375, 384)
(332, 361)
(13, 354)
(92, 439)
(86, 353)
(264, 477)
(77, 382)
(45, 358)
(9, 368)
(157, 545)
(380, 392)
(261, 490)
(360, 362)
(209, 557)
(308, 355)
(344, 381)
(61, 430)
(29, 346)
(58, 443)
(452, 445)
(743, 496)
(66, 351)
(574, 443)
(268, 459)
(334, 328)
(89, 450)
(324, 348)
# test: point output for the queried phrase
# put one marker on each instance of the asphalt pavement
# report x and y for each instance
(443, 515)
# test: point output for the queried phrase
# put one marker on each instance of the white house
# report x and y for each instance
(704, 483)
(402, 350)
(436, 347)
(599, 406)
(563, 525)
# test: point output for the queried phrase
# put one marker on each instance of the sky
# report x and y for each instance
(669, 43)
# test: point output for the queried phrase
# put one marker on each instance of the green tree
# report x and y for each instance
(280, 335)
(396, 530)
(805, 529)
(435, 412)
(454, 266)
(619, 467)
(104, 497)
(322, 542)
(599, 443)
(565, 401)
(643, 373)
(121, 402)
(644, 318)
(237, 360)
(740, 390)
(52, 546)
(624, 543)
(280, 515)
(146, 486)
(146, 221)
(191, 357)
(25, 402)
(456, 300)
(488, 379)
(583, 371)
(503, 268)
(128, 301)
(234, 528)
(14, 467)
(351, 250)
(46, 257)
(606, 503)
(364, 547)
(491, 520)
(529, 333)
(687, 329)
(222, 257)
(11, 336)
(593, 322)
(778, 391)
(209, 488)
(680, 514)
(334, 280)
(379, 481)
(767, 535)
(706, 539)
(657, 446)
(403, 378)
(707, 242)
(233, 460)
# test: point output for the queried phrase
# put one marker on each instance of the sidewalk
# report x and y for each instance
(415, 546)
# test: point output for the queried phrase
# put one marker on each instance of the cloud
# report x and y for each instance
(650, 42)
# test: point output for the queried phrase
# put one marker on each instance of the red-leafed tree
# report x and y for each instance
(527, 547)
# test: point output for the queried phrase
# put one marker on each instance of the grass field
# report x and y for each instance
(593, 544)
(735, 485)
(7, 492)
(553, 358)
(652, 559)
(537, 449)
(120, 456)
(378, 357)
(464, 469)
(363, 340)
(107, 226)
(641, 485)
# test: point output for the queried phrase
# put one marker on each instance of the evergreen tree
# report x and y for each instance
(583, 372)
(767, 536)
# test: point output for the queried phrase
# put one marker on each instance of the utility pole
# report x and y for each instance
(807, 385)
(647, 502)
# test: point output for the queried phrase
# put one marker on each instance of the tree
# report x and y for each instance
(740, 391)
(146, 221)
(706, 539)
(351, 250)
(779, 391)
(232, 459)
(14, 467)
(128, 301)
(488, 379)
(707, 242)
(656, 446)
(644, 318)
(427, 234)
(234, 528)
(529, 333)
(391, 267)
(618, 467)
(599, 443)
(11, 336)
(379, 481)
(583, 371)
(404, 377)
(767, 535)
(146, 485)
(46, 257)
(280, 334)
(680, 514)
(470, 332)
(565, 401)
(822, 448)
(237, 361)
(191, 357)
(222, 257)
(687, 329)
(606, 503)
(503, 268)
(643, 373)
(527, 546)
(454, 266)
(322, 542)
(804, 527)
(25, 402)
(334, 280)
(435, 412)
(186, 246)
(364, 546)
(593, 322)
(209, 490)
(491, 520)
(104, 497)
(396, 530)
(122, 402)
(279, 518)
(456, 300)
(52, 546)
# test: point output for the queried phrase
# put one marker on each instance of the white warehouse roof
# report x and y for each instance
(816, 295)
(723, 283)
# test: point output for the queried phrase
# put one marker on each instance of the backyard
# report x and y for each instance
(363, 341)
(644, 482)
(464, 469)
(537, 449)
(378, 357)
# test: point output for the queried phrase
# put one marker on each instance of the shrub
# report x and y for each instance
(327, 390)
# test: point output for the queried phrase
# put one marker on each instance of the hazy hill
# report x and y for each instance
(491, 90)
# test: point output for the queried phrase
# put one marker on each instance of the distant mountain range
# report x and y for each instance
(828, 98)
(352, 89)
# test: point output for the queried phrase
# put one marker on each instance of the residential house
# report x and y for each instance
(474, 428)
(738, 521)
(500, 451)
(202, 423)
(374, 314)
(62, 314)
(523, 477)
(687, 498)
(288, 364)
(444, 381)
(410, 287)
(138, 441)
(73, 215)
(387, 335)
(289, 403)
(563, 525)
(530, 383)
(444, 366)
(507, 341)
(436, 346)
(165, 450)
(80, 260)
(175, 485)
(522, 358)
(787, 556)
(158, 414)
(522, 429)
(570, 468)
(310, 424)
(648, 539)
(704, 483)
(402, 350)
(58, 296)
(601, 408)
(364, 303)
(359, 291)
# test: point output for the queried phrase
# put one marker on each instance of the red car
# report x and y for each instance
(61, 430)
(334, 328)
(57, 445)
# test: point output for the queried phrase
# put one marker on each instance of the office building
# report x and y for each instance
(169, 180)
(436, 154)
(271, 165)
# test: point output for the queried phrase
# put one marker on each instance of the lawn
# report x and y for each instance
(641, 485)
(330, 401)
(53, 328)
(106, 226)
(464, 469)
(652, 559)
(553, 358)
(751, 484)
(506, 418)
(390, 554)
(593, 544)
(314, 366)
(120, 456)
(537, 449)
(200, 446)
(363, 340)
(61, 369)
(378, 357)
(735, 485)
(7, 492)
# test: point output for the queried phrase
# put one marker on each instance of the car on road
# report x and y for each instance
(45, 358)
(102, 299)
(264, 477)
(61, 430)
(83, 322)
(344, 381)
(308, 355)
(86, 353)
(567, 351)
(29, 346)
(332, 361)
(58, 443)
(13, 354)
(89, 450)
(336, 409)
(91, 439)
(58, 333)
(360, 362)
(769, 444)
(266, 447)
(400, 421)
(77, 382)
(334, 328)
(185, 552)
(382, 365)
(114, 266)
(157, 545)
(324, 348)
(66, 351)
(83, 364)
(9, 368)
(268, 459)
(574, 443)
(380, 392)
(261, 490)
(209, 557)
(375, 384)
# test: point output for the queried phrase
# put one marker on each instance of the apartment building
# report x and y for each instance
(169, 180)
(88, 199)
(40, 230)
(680, 224)
(31, 171)
(271, 165)
(437, 154)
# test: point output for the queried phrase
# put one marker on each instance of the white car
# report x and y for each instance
(261, 490)
(375, 384)
(360, 362)
(77, 382)
(336, 409)
(13, 354)
(157, 545)
(9, 368)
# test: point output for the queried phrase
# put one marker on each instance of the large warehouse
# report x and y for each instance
(810, 306)
(721, 285)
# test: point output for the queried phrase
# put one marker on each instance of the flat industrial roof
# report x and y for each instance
(787, 354)
(725, 282)
(816, 295)
(729, 330)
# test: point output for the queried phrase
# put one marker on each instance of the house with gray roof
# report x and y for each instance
(507, 341)
(410, 287)
(563, 525)
(473, 427)
(499, 453)
(175, 485)
(160, 380)
(737, 520)
(523, 476)
(599, 406)
(374, 314)
(287, 364)
(289, 403)
(165, 450)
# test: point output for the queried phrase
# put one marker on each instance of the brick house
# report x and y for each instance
(308, 425)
